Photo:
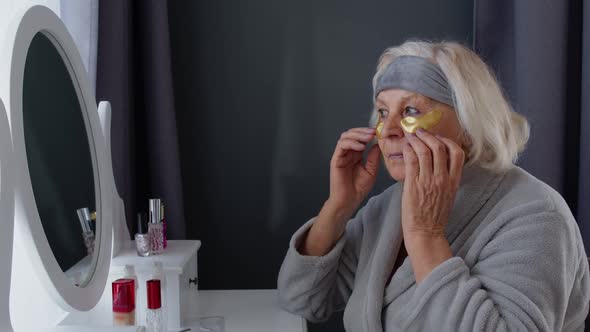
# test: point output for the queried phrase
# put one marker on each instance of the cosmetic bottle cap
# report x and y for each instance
(84, 217)
(155, 210)
(141, 223)
(123, 295)
(154, 298)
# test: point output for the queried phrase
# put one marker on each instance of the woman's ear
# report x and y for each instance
(466, 143)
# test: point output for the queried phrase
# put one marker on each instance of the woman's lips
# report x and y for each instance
(396, 156)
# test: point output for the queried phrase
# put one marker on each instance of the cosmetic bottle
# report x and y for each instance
(129, 273)
(123, 291)
(159, 274)
(154, 317)
(142, 238)
(165, 241)
(155, 229)
(87, 233)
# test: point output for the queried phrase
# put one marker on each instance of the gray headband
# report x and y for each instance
(417, 74)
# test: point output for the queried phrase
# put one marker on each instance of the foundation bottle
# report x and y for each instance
(123, 291)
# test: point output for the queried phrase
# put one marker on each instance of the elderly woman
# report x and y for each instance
(464, 240)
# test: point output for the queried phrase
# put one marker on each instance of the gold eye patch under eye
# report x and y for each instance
(379, 128)
(411, 124)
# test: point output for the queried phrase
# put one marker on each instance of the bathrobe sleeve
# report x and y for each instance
(315, 286)
(531, 273)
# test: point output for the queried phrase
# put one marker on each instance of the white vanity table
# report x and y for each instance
(243, 310)
(249, 310)
(43, 297)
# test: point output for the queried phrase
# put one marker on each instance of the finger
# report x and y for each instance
(345, 145)
(439, 151)
(368, 130)
(411, 163)
(372, 164)
(348, 160)
(424, 155)
(358, 136)
(349, 144)
(456, 158)
(345, 158)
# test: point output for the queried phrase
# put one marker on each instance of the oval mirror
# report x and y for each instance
(63, 200)
(60, 159)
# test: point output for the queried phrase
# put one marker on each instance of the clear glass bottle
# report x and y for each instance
(142, 238)
(89, 242)
(160, 275)
(87, 233)
(155, 229)
(164, 227)
(156, 238)
(154, 316)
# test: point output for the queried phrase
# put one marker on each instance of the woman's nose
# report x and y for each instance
(392, 128)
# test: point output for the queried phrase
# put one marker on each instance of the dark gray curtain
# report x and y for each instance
(540, 51)
(134, 74)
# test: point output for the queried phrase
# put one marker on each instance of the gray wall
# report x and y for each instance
(263, 90)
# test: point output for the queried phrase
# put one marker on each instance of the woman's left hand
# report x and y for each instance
(433, 166)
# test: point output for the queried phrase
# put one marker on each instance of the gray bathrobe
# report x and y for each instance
(519, 265)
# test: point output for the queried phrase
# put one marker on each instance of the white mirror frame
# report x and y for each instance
(6, 219)
(28, 227)
(121, 238)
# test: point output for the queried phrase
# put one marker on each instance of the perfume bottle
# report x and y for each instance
(154, 316)
(87, 233)
(155, 228)
(164, 227)
(142, 238)
(123, 291)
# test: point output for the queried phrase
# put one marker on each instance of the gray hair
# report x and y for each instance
(495, 132)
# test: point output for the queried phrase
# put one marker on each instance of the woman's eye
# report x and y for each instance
(411, 111)
(382, 113)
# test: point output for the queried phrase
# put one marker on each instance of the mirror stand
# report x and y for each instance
(121, 237)
(6, 219)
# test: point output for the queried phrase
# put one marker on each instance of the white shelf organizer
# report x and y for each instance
(181, 290)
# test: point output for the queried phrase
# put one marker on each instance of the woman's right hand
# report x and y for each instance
(351, 180)
(350, 183)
